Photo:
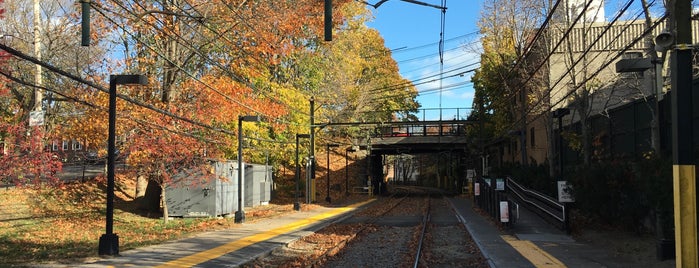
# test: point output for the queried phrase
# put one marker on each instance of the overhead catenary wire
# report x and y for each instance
(94, 106)
(600, 69)
(551, 51)
(81, 80)
(191, 75)
(439, 76)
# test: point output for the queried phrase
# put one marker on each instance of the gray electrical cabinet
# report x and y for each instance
(258, 184)
(192, 194)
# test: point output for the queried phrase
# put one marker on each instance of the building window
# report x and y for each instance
(2, 148)
(65, 146)
(54, 146)
(532, 137)
(77, 146)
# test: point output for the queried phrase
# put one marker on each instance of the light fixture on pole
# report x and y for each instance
(297, 205)
(240, 214)
(350, 149)
(109, 242)
(327, 190)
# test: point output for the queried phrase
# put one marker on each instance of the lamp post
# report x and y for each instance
(327, 191)
(560, 113)
(350, 149)
(240, 214)
(109, 242)
(297, 205)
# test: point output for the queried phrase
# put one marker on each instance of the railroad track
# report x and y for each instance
(444, 241)
(402, 230)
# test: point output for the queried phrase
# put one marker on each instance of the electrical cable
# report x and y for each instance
(602, 67)
(94, 106)
(73, 77)
(170, 61)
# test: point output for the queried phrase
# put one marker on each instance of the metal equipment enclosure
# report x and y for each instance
(258, 183)
(191, 194)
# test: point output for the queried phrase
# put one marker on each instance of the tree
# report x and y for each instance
(58, 47)
(508, 28)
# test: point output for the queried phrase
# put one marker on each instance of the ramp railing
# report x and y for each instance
(541, 204)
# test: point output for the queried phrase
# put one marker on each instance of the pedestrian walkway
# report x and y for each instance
(532, 242)
(232, 247)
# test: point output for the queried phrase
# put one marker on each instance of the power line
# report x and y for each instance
(600, 69)
(170, 61)
(94, 106)
(100, 88)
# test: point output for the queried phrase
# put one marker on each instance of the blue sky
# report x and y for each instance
(412, 31)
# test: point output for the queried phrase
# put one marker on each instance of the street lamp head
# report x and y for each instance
(333, 145)
(350, 149)
(561, 112)
(129, 79)
(303, 136)
(249, 118)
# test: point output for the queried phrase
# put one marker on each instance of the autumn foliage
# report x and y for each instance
(209, 62)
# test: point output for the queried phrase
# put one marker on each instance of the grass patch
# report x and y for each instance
(64, 224)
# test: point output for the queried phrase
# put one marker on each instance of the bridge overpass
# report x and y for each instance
(420, 137)
(414, 137)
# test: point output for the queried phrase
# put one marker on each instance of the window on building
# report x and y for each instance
(54, 146)
(65, 146)
(2, 148)
(77, 146)
(532, 137)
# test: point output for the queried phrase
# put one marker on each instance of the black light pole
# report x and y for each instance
(350, 149)
(327, 191)
(240, 214)
(560, 113)
(297, 205)
(683, 158)
(109, 242)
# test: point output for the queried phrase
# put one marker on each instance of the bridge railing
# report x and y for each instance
(431, 128)
(444, 114)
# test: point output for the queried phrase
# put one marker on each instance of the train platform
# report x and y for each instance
(531, 243)
(232, 247)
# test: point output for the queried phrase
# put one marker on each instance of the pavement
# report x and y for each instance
(232, 247)
(531, 242)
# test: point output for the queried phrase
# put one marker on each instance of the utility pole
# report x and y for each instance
(38, 94)
(683, 169)
(312, 152)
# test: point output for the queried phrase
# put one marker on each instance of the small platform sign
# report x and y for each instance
(500, 184)
(504, 211)
(565, 192)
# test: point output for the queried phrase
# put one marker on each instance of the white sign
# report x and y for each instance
(500, 184)
(477, 189)
(504, 211)
(36, 118)
(565, 192)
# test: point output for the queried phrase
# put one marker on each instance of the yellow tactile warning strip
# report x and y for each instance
(537, 256)
(210, 254)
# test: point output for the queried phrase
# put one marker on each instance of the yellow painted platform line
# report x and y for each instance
(210, 254)
(537, 256)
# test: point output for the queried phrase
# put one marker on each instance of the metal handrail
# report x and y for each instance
(540, 197)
